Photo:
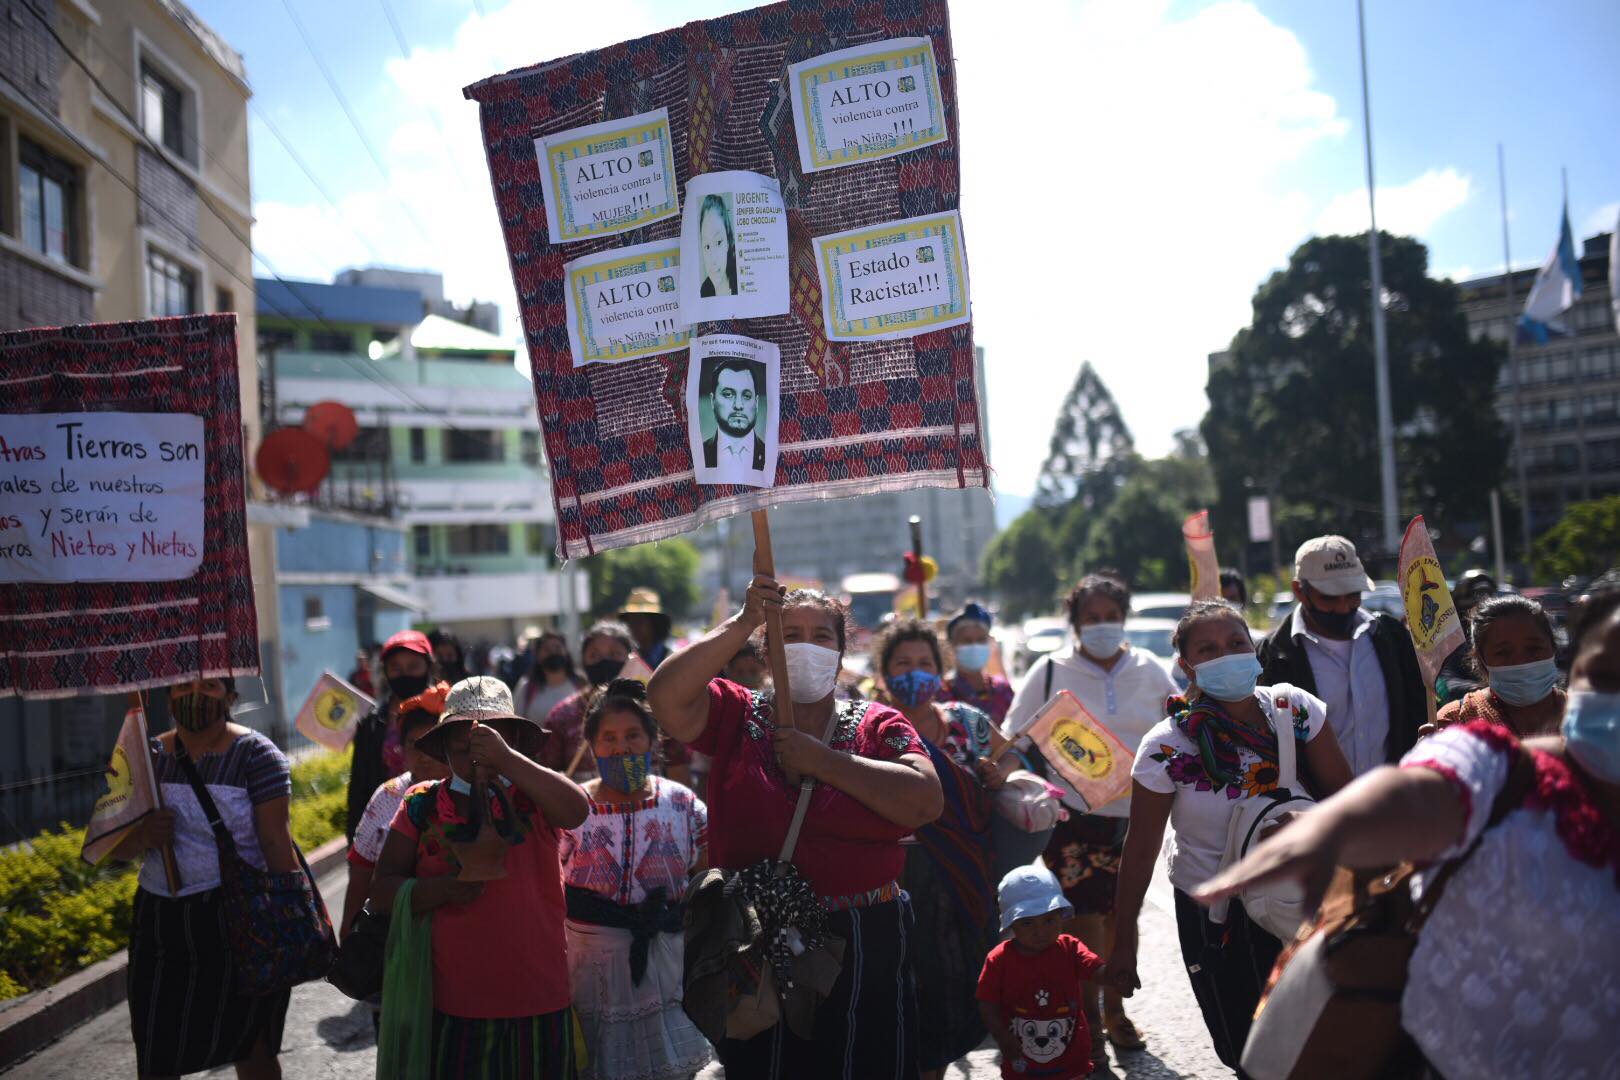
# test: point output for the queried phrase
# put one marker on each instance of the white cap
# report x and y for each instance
(1329, 565)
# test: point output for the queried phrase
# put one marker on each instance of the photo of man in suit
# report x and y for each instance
(735, 390)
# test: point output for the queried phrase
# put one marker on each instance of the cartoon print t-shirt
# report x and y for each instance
(1039, 998)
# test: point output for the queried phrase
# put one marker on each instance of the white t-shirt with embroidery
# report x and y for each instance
(1517, 972)
(1168, 762)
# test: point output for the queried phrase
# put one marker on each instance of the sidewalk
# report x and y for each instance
(329, 1036)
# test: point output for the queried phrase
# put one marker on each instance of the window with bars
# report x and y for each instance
(422, 540)
(49, 192)
(162, 112)
(531, 447)
(171, 286)
(418, 445)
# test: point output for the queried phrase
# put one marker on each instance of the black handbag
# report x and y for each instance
(276, 923)
(357, 971)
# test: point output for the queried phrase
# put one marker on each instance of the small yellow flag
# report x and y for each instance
(1431, 616)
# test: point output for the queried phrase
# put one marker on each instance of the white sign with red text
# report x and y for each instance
(100, 496)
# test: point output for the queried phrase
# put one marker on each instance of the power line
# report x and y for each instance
(134, 122)
(405, 52)
(354, 121)
(291, 287)
(310, 176)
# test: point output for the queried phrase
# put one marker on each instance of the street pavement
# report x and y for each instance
(329, 1036)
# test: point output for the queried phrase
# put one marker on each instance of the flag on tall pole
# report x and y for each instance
(131, 791)
(1557, 287)
(1206, 570)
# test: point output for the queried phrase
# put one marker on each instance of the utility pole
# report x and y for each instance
(1513, 363)
(1386, 420)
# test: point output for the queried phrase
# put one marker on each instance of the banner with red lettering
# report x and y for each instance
(740, 264)
(123, 535)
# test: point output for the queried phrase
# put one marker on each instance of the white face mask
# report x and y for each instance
(812, 671)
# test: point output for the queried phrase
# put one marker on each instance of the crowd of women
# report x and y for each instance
(560, 868)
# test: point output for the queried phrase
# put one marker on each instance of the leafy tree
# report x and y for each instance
(1139, 533)
(1021, 565)
(1584, 543)
(1292, 406)
(668, 568)
(1089, 444)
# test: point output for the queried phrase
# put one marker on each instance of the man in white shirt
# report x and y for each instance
(1362, 666)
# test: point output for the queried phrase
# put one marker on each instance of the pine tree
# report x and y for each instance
(1090, 445)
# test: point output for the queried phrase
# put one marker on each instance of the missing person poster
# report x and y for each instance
(734, 250)
(100, 496)
(865, 103)
(732, 389)
(894, 280)
(624, 304)
(609, 177)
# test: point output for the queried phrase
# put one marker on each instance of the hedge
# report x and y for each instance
(61, 914)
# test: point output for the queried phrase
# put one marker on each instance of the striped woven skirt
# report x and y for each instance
(543, 1047)
(182, 1011)
(866, 1029)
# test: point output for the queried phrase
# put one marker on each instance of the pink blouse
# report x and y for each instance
(845, 849)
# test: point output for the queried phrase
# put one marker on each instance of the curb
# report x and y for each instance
(49, 1014)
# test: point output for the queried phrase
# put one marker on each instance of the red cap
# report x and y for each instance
(411, 640)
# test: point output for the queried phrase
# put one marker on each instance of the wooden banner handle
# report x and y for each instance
(171, 868)
(765, 564)
(917, 557)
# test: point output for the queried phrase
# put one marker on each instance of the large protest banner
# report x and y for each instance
(123, 543)
(845, 114)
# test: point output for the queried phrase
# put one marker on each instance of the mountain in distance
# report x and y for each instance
(1009, 506)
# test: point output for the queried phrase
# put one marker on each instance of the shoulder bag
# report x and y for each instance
(1278, 907)
(729, 984)
(1332, 1006)
(276, 924)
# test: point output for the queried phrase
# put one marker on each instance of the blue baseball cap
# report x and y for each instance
(1028, 892)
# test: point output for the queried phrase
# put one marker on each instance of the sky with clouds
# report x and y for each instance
(1131, 169)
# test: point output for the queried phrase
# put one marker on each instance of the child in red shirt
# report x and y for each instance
(1029, 991)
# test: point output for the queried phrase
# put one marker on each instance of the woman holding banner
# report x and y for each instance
(948, 863)
(1217, 749)
(183, 1011)
(1125, 688)
(874, 784)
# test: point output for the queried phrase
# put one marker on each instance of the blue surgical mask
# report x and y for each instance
(1102, 639)
(1228, 678)
(1524, 684)
(462, 786)
(975, 657)
(914, 687)
(1592, 733)
(624, 772)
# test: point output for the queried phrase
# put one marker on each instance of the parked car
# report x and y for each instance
(1160, 605)
(1042, 637)
(1155, 636)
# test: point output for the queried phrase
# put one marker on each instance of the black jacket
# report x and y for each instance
(367, 769)
(1282, 659)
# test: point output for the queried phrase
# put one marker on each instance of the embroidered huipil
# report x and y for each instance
(622, 851)
(1517, 972)
(845, 850)
(994, 700)
(1169, 762)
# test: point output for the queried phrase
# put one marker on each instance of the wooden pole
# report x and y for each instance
(765, 564)
(171, 869)
(917, 557)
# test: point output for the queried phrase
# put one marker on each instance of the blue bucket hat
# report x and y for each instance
(1030, 891)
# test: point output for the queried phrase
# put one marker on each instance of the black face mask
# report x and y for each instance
(403, 687)
(602, 672)
(554, 662)
(195, 713)
(1337, 623)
